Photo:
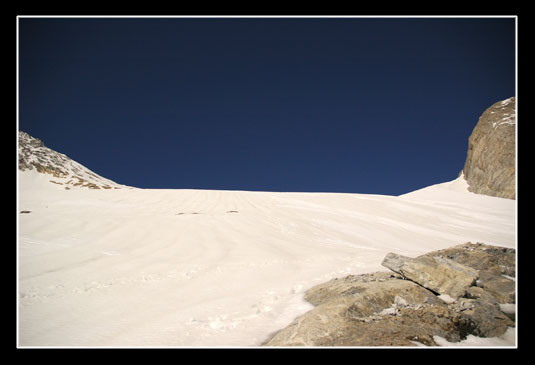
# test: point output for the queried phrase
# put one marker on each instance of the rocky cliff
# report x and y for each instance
(490, 163)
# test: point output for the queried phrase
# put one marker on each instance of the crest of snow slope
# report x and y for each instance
(205, 268)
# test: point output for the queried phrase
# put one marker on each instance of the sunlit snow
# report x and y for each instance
(206, 268)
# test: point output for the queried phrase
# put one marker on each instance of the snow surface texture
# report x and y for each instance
(202, 268)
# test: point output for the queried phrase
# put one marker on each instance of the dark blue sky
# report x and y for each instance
(358, 105)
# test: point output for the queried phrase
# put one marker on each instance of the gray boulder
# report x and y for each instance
(438, 274)
(480, 317)
(496, 267)
(499, 260)
(500, 287)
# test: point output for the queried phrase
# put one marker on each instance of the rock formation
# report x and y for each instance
(34, 155)
(399, 309)
(490, 163)
(438, 274)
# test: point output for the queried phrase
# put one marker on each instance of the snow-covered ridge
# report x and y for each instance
(59, 169)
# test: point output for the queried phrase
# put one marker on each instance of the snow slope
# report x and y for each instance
(158, 268)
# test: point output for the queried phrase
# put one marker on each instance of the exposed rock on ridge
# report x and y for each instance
(389, 309)
(490, 163)
(34, 155)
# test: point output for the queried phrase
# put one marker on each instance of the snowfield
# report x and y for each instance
(201, 268)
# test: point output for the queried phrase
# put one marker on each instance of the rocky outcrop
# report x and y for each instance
(495, 267)
(390, 309)
(490, 163)
(498, 260)
(438, 274)
(34, 155)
